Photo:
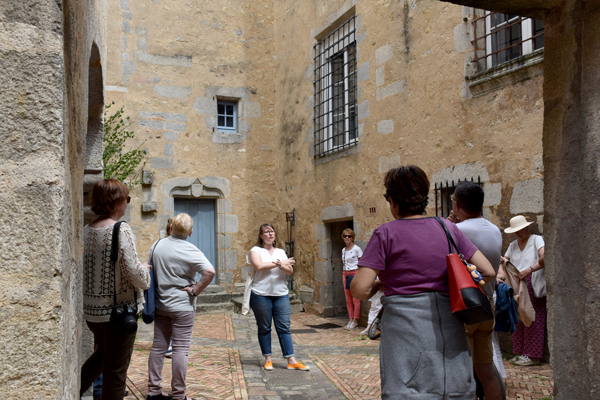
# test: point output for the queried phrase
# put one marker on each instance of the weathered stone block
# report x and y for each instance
(321, 231)
(125, 4)
(323, 271)
(169, 135)
(161, 163)
(125, 28)
(142, 43)
(229, 223)
(243, 126)
(168, 150)
(363, 110)
(462, 171)
(127, 67)
(391, 89)
(325, 249)
(174, 61)
(217, 182)
(387, 163)
(528, 196)
(126, 15)
(493, 194)
(383, 54)
(141, 31)
(386, 126)
(326, 295)
(224, 241)
(162, 125)
(380, 76)
(149, 206)
(223, 206)
(362, 74)
(231, 259)
(337, 213)
(307, 294)
(242, 93)
(147, 177)
(205, 105)
(172, 91)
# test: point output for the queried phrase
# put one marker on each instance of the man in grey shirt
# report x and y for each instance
(467, 204)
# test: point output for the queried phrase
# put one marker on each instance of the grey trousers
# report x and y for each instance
(424, 352)
(179, 326)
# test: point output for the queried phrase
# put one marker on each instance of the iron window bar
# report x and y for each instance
(443, 192)
(335, 114)
(499, 36)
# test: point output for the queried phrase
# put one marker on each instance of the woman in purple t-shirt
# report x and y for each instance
(423, 348)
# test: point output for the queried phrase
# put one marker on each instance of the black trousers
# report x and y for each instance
(111, 357)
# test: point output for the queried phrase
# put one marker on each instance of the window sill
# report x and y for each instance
(508, 73)
(334, 155)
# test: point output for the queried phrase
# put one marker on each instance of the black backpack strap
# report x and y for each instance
(114, 255)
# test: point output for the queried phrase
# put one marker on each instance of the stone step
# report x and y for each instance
(214, 307)
(213, 289)
(207, 298)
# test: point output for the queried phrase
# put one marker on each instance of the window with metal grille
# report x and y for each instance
(503, 37)
(226, 116)
(443, 194)
(335, 110)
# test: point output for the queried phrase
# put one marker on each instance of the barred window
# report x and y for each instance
(335, 111)
(443, 196)
(503, 37)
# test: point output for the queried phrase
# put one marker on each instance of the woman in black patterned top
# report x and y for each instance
(113, 345)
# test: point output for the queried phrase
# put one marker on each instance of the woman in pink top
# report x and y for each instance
(424, 351)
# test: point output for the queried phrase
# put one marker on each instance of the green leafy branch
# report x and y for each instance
(118, 163)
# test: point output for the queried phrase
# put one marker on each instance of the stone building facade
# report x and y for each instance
(419, 100)
(408, 54)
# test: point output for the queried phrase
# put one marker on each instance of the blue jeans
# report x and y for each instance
(277, 308)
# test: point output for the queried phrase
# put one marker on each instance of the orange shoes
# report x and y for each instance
(268, 366)
(298, 366)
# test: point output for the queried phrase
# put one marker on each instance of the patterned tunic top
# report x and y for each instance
(100, 278)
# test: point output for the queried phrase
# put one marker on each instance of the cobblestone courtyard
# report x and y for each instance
(225, 363)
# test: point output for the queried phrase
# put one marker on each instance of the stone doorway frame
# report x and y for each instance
(208, 187)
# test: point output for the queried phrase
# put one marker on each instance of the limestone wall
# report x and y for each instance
(44, 59)
(169, 62)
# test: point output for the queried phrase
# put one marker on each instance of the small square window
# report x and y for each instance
(226, 116)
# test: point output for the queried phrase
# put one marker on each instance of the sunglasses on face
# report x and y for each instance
(347, 236)
(387, 197)
(128, 199)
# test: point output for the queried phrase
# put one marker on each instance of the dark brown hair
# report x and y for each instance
(261, 230)
(106, 196)
(408, 186)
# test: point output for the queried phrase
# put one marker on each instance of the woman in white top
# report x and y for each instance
(269, 299)
(350, 256)
(527, 255)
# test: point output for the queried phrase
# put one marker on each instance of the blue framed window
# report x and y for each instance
(226, 116)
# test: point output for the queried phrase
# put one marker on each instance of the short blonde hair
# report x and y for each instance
(348, 231)
(182, 226)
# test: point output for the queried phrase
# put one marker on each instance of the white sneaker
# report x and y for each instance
(526, 361)
(365, 332)
(515, 358)
(351, 325)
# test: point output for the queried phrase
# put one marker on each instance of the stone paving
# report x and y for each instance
(225, 363)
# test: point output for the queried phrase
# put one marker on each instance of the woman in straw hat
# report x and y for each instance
(527, 255)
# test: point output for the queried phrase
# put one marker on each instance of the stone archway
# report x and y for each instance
(93, 165)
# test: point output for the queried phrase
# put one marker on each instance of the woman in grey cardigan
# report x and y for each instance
(176, 262)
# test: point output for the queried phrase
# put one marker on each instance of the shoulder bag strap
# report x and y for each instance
(449, 236)
(152, 263)
(114, 255)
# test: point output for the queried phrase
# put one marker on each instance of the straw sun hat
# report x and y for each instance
(517, 223)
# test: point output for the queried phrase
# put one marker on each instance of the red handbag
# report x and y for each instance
(467, 300)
